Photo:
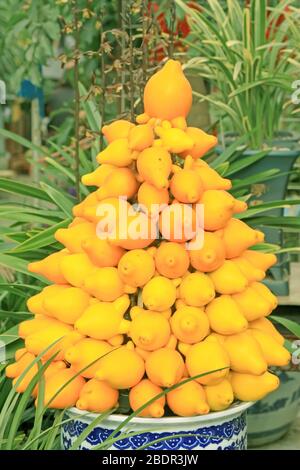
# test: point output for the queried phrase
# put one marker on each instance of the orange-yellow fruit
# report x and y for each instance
(263, 324)
(78, 209)
(66, 386)
(75, 268)
(238, 236)
(225, 317)
(152, 199)
(165, 367)
(154, 165)
(210, 178)
(116, 153)
(148, 330)
(248, 270)
(85, 353)
(196, 289)
(260, 260)
(141, 393)
(189, 324)
(188, 400)
(73, 237)
(273, 352)
(49, 267)
(97, 396)
(67, 305)
(105, 284)
(38, 323)
(210, 256)
(252, 304)
(228, 279)
(101, 252)
(24, 360)
(136, 267)
(265, 292)
(60, 336)
(159, 294)
(218, 208)
(248, 387)
(219, 396)
(35, 304)
(172, 260)
(117, 130)
(98, 176)
(119, 182)
(140, 137)
(245, 354)
(178, 222)
(203, 142)
(174, 140)
(186, 186)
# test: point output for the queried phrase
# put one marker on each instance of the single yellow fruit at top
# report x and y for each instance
(73, 237)
(263, 324)
(97, 396)
(196, 289)
(141, 393)
(219, 396)
(85, 352)
(189, 324)
(168, 94)
(188, 400)
(165, 367)
(116, 153)
(98, 176)
(245, 354)
(76, 268)
(225, 317)
(101, 252)
(204, 358)
(273, 352)
(174, 140)
(105, 284)
(140, 137)
(136, 267)
(69, 392)
(117, 130)
(210, 256)
(202, 141)
(228, 279)
(186, 186)
(238, 236)
(172, 260)
(252, 304)
(154, 165)
(49, 267)
(122, 368)
(67, 305)
(119, 182)
(152, 199)
(247, 387)
(159, 294)
(148, 330)
(260, 260)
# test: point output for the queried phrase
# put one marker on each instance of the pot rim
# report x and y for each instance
(236, 408)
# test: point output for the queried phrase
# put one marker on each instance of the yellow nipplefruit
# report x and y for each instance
(67, 305)
(219, 206)
(245, 354)
(152, 199)
(86, 352)
(189, 324)
(237, 237)
(98, 176)
(252, 304)
(122, 368)
(210, 256)
(178, 222)
(165, 367)
(273, 352)
(159, 294)
(105, 284)
(247, 387)
(210, 178)
(203, 142)
(52, 369)
(68, 387)
(248, 270)
(228, 279)
(174, 140)
(136, 267)
(75, 268)
(49, 267)
(24, 360)
(97, 396)
(263, 324)
(260, 260)
(62, 335)
(38, 323)
(188, 400)
(101, 252)
(196, 289)
(107, 210)
(73, 237)
(78, 209)
(119, 182)
(116, 153)
(148, 330)
(117, 130)
(35, 304)
(154, 165)
(103, 320)
(168, 94)
(171, 260)
(225, 316)
(204, 358)
(140, 137)
(141, 393)
(265, 292)
(219, 396)
(186, 186)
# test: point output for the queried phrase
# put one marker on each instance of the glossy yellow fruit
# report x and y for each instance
(159, 294)
(225, 317)
(247, 387)
(178, 222)
(168, 94)
(52, 369)
(248, 270)
(210, 178)
(101, 252)
(141, 393)
(228, 279)
(165, 367)
(148, 330)
(122, 368)
(265, 292)
(60, 336)
(119, 182)
(69, 392)
(210, 256)
(152, 199)
(196, 289)
(154, 165)
(40, 322)
(172, 260)
(188, 400)
(237, 237)
(24, 360)
(260, 260)
(105, 284)
(263, 324)
(98, 176)
(97, 396)
(140, 137)
(204, 358)
(203, 142)
(103, 320)
(116, 153)
(245, 354)
(86, 352)
(73, 237)
(273, 352)
(186, 186)
(219, 396)
(67, 305)
(75, 268)
(49, 267)
(136, 267)
(189, 324)
(219, 206)
(78, 209)
(174, 140)
(117, 130)
(35, 304)
(252, 304)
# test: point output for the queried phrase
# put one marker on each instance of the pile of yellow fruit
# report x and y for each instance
(144, 313)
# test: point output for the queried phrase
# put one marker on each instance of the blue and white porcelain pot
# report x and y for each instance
(222, 430)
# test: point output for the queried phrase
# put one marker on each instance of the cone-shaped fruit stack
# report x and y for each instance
(133, 310)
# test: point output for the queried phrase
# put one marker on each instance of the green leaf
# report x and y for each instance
(290, 325)
(245, 163)
(66, 204)
(16, 187)
(17, 264)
